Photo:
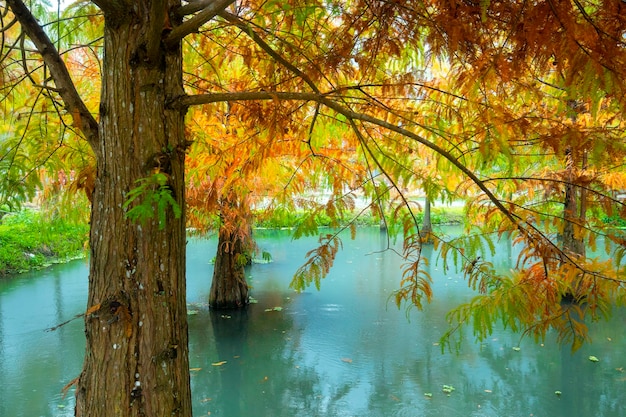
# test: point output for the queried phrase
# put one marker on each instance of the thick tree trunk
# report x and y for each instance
(136, 361)
(229, 289)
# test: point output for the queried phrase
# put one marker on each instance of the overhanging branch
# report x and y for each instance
(83, 119)
(325, 100)
(212, 9)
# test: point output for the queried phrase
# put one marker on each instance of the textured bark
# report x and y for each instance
(229, 289)
(571, 244)
(136, 361)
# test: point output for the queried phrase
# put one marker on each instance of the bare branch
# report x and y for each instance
(193, 24)
(83, 119)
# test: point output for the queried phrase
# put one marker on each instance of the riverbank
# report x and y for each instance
(34, 239)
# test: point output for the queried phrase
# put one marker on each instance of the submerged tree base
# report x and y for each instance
(229, 289)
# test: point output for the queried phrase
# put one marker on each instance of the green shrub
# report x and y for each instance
(32, 239)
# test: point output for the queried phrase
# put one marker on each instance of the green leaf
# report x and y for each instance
(152, 196)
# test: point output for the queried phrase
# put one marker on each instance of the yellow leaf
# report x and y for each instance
(218, 363)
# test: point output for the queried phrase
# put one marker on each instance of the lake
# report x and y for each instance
(343, 351)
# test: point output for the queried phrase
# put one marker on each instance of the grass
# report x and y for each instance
(287, 219)
(33, 239)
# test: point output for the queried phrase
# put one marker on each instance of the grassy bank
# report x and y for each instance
(32, 239)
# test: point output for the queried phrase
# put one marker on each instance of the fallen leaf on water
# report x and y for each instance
(346, 360)
(218, 363)
(448, 389)
(428, 394)
(558, 392)
(488, 391)
(593, 359)
(517, 349)
(194, 369)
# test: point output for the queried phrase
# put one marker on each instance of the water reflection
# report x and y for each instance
(343, 351)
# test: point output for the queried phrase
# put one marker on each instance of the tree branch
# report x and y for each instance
(192, 7)
(213, 8)
(245, 28)
(325, 100)
(113, 8)
(157, 22)
(83, 119)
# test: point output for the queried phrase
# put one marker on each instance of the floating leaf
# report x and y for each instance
(428, 394)
(448, 389)
(517, 349)
(593, 359)
(220, 363)
(346, 360)
(194, 369)
(558, 392)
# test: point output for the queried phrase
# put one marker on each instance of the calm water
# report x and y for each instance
(343, 351)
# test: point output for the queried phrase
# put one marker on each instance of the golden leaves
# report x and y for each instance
(318, 264)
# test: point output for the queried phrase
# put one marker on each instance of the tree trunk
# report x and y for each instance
(136, 361)
(571, 243)
(426, 232)
(229, 289)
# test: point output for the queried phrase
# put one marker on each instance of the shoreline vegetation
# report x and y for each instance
(34, 239)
